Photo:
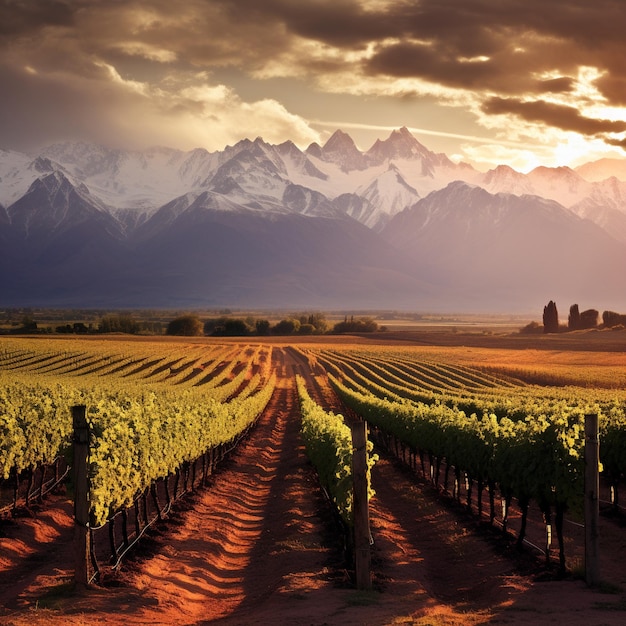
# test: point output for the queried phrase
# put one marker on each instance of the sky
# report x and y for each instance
(519, 82)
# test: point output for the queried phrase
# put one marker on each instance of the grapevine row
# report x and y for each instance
(536, 459)
(328, 444)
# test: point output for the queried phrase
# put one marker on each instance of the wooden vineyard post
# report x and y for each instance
(592, 506)
(81, 496)
(360, 506)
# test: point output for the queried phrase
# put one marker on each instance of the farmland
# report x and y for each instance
(184, 396)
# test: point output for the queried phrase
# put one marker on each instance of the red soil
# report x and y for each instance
(257, 547)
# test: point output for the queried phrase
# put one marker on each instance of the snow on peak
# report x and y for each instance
(342, 150)
(387, 194)
(400, 144)
(16, 176)
(374, 185)
(339, 141)
(505, 179)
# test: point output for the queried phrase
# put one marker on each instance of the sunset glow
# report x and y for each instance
(529, 83)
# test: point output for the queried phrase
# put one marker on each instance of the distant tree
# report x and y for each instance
(306, 329)
(359, 325)
(611, 319)
(533, 328)
(573, 321)
(185, 325)
(550, 318)
(232, 327)
(286, 327)
(262, 327)
(317, 320)
(589, 318)
(214, 324)
(118, 324)
(29, 325)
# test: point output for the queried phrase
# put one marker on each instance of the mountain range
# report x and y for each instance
(330, 227)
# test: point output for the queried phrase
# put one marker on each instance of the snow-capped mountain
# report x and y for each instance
(480, 243)
(388, 177)
(341, 150)
(387, 194)
(331, 225)
(127, 179)
(52, 205)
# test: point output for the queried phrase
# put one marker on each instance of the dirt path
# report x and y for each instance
(257, 548)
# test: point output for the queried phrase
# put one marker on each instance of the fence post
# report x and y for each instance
(592, 506)
(81, 495)
(360, 506)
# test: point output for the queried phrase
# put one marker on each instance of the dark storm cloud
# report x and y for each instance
(515, 50)
(620, 143)
(563, 117)
(520, 40)
(498, 46)
(23, 17)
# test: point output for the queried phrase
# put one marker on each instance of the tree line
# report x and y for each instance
(576, 320)
(298, 324)
(190, 324)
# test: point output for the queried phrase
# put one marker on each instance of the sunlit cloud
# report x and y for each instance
(152, 53)
(526, 73)
(130, 85)
(213, 116)
(487, 156)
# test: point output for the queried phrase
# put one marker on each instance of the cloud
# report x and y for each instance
(521, 59)
(109, 109)
(551, 114)
(23, 18)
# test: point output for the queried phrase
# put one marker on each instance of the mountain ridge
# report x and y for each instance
(393, 226)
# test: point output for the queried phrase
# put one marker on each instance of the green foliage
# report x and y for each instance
(316, 320)
(536, 458)
(328, 444)
(262, 327)
(141, 438)
(35, 421)
(185, 325)
(29, 325)
(140, 432)
(118, 324)
(359, 325)
(228, 327)
(528, 439)
(286, 327)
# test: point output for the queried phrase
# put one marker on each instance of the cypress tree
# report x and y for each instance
(550, 318)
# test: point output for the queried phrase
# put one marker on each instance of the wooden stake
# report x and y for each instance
(360, 506)
(592, 506)
(81, 496)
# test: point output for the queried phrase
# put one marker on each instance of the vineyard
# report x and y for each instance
(156, 416)
(163, 418)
